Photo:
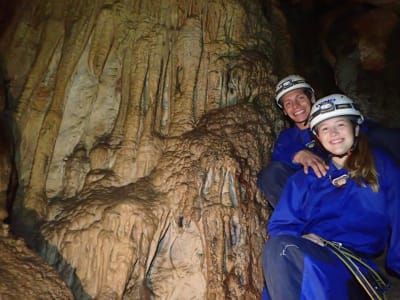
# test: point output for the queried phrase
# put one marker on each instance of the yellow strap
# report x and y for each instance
(348, 258)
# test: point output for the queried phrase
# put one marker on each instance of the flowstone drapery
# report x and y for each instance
(141, 127)
(188, 230)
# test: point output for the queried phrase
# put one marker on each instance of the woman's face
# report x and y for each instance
(336, 135)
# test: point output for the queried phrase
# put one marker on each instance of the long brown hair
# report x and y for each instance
(360, 164)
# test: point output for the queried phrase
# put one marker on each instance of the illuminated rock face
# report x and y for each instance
(25, 275)
(100, 90)
(191, 229)
(141, 128)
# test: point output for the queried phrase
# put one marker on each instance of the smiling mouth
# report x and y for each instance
(299, 112)
(336, 141)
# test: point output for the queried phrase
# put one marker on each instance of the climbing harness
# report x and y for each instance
(374, 284)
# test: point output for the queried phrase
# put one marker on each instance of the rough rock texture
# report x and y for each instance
(188, 230)
(98, 89)
(24, 275)
(141, 127)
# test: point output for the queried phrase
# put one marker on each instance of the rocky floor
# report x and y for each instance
(394, 290)
(24, 275)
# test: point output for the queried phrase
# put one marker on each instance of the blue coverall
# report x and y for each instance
(272, 178)
(359, 218)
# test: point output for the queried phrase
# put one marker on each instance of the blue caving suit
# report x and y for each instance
(360, 219)
(272, 178)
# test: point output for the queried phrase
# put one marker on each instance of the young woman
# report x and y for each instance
(325, 232)
(295, 147)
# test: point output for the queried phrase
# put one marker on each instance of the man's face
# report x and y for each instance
(297, 106)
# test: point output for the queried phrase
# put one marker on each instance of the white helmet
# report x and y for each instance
(335, 105)
(288, 84)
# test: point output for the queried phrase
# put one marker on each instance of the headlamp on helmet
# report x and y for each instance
(290, 83)
(335, 105)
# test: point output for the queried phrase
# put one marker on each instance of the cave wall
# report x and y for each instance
(124, 77)
(140, 128)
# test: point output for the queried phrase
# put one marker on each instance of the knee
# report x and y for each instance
(275, 171)
(281, 256)
(271, 180)
(270, 173)
(269, 169)
(279, 246)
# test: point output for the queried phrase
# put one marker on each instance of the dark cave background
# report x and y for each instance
(313, 25)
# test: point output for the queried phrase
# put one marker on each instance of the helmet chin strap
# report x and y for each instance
(344, 154)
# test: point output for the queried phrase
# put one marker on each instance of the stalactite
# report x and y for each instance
(113, 162)
(73, 46)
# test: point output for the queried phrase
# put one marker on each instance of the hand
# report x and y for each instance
(314, 238)
(309, 159)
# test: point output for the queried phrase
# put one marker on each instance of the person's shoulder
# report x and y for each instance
(288, 132)
(382, 158)
(368, 125)
(378, 153)
(387, 169)
(368, 122)
(302, 179)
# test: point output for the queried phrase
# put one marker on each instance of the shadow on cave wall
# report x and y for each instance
(61, 265)
(303, 27)
(8, 174)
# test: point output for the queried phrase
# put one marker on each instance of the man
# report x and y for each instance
(296, 147)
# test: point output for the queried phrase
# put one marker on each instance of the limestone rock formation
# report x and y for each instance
(187, 229)
(24, 275)
(141, 127)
